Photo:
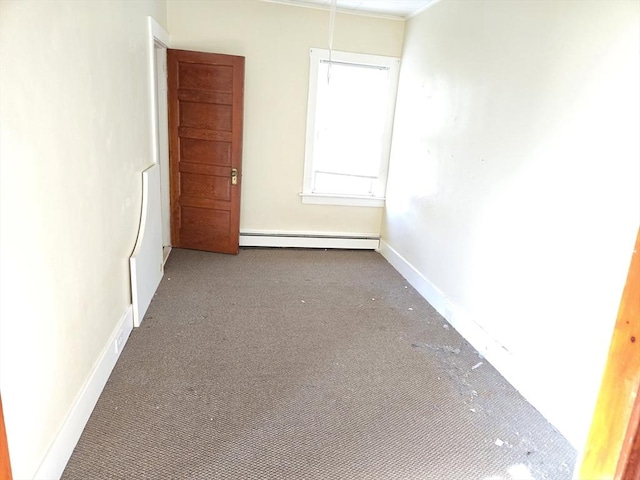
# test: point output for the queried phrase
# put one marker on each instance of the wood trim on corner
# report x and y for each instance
(629, 464)
(611, 449)
(5, 462)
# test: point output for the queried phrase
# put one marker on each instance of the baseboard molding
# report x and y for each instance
(166, 251)
(309, 240)
(62, 447)
(466, 325)
(430, 292)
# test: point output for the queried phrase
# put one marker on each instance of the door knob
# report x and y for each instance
(234, 176)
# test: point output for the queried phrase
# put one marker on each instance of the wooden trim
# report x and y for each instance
(629, 463)
(172, 115)
(5, 462)
(609, 452)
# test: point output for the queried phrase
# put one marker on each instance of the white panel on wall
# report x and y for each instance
(147, 261)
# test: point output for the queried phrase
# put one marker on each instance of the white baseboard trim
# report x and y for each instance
(166, 251)
(309, 240)
(429, 291)
(486, 345)
(467, 326)
(62, 447)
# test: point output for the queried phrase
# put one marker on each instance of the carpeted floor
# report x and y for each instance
(306, 364)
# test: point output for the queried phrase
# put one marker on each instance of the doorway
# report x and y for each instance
(159, 42)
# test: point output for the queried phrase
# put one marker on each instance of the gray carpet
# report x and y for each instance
(306, 364)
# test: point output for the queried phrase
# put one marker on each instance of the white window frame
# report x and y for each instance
(393, 64)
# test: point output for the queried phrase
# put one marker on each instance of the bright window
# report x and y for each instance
(349, 121)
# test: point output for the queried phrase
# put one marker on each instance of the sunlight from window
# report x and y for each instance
(349, 122)
(352, 103)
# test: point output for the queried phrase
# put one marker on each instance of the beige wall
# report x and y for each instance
(275, 39)
(517, 122)
(514, 185)
(75, 135)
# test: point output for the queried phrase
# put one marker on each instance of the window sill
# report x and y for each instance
(347, 200)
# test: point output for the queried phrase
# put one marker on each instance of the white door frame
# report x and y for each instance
(158, 43)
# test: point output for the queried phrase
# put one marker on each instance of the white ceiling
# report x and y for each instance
(395, 8)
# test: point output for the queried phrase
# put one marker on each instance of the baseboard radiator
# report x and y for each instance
(309, 240)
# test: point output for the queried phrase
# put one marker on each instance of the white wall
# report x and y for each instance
(514, 184)
(75, 135)
(275, 39)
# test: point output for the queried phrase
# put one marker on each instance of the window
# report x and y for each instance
(349, 119)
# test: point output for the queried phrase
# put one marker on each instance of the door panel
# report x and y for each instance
(194, 150)
(205, 127)
(207, 116)
(205, 185)
(206, 77)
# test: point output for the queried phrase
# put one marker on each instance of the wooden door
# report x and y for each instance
(206, 93)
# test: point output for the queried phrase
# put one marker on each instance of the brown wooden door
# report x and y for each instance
(206, 93)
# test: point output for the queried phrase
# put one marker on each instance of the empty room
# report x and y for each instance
(323, 239)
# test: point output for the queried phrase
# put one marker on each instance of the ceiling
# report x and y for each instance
(394, 8)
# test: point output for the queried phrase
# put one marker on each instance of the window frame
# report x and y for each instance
(317, 55)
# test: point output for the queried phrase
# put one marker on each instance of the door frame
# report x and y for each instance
(611, 447)
(158, 42)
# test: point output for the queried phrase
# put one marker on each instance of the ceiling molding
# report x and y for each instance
(427, 6)
(360, 11)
